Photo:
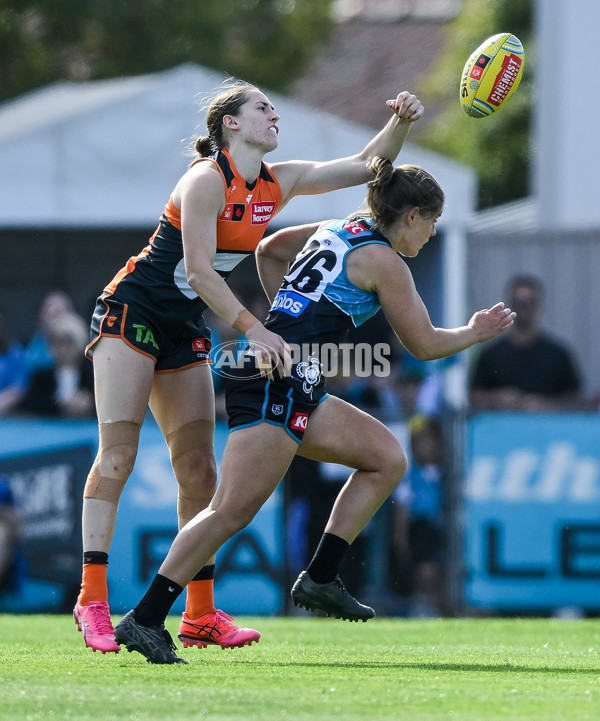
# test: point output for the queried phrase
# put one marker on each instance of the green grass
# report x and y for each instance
(312, 668)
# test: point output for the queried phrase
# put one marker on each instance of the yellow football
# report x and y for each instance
(491, 75)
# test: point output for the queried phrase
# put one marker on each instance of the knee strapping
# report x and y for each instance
(187, 508)
(190, 437)
(103, 488)
(119, 433)
(114, 463)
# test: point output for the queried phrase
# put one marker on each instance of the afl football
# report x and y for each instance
(491, 75)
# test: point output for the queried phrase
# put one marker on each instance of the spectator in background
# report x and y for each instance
(53, 305)
(13, 371)
(418, 520)
(12, 560)
(527, 369)
(66, 389)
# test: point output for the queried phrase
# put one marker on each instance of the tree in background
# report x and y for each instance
(497, 147)
(267, 42)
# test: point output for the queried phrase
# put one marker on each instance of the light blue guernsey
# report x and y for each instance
(316, 302)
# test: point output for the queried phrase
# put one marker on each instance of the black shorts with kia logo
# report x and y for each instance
(251, 399)
(150, 332)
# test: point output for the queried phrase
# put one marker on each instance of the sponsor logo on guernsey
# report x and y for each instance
(233, 211)
(290, 303)
(355, 227)
(262, 212)
(299, 421)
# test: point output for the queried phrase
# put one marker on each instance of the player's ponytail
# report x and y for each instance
(205, 146)
(393, 191)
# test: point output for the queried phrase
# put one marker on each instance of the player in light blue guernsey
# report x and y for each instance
(335, 275)
(317, 303)
(318, 295)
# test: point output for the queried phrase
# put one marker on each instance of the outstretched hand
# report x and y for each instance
(490, 322)
(407, 106)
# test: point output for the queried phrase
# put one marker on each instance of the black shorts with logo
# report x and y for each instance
(251, 399)
(150, 333)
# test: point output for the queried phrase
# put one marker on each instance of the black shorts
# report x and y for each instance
(250, 400)
(149, 334)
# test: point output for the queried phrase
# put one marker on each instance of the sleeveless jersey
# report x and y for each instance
(314, 307)
(156, 278)
(316, 302)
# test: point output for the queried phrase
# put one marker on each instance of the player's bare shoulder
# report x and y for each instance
(203, 177)
(367, 265)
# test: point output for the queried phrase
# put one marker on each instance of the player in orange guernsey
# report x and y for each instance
(150, 344)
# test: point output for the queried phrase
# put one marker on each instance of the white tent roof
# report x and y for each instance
(108, 153)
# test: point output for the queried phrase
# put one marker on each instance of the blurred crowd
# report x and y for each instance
(400, 561)
(47, 375)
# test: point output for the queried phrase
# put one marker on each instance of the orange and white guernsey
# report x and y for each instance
(156, 277)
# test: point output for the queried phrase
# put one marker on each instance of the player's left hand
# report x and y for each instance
(407, 106)
(490, 322)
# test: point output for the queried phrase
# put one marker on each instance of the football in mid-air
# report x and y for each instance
(491, 75)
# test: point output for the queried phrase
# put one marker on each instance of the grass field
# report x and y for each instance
(313, 668)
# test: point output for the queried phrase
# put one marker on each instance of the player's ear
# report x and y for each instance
(412, 214)
(230, 122)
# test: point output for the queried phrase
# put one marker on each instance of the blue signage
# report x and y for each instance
(532, 511)
(47, 462)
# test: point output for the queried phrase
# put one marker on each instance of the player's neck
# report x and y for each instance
(247, 161)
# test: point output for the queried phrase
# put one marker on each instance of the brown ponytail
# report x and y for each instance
(205, 146)
(394, 190)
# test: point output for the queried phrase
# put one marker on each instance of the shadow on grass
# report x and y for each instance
(461, 667)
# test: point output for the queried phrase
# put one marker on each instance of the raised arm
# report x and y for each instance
(306, 177)
(382, 270)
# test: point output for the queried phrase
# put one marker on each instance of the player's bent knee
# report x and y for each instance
(236, 519)
(396, 464)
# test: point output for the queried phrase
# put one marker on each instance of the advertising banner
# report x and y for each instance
(532, 512)
(47, 462)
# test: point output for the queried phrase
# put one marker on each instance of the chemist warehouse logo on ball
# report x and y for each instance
(505, 79)
(348, 360)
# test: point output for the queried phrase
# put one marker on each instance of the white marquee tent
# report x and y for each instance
(107, 154)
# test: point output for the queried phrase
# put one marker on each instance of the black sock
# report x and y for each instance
(95, 557)
(156, 604)
(329, 554)
(206, 573)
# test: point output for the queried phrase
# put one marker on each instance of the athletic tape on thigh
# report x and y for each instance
(119, 433)
(187, 438)
(103, 489)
